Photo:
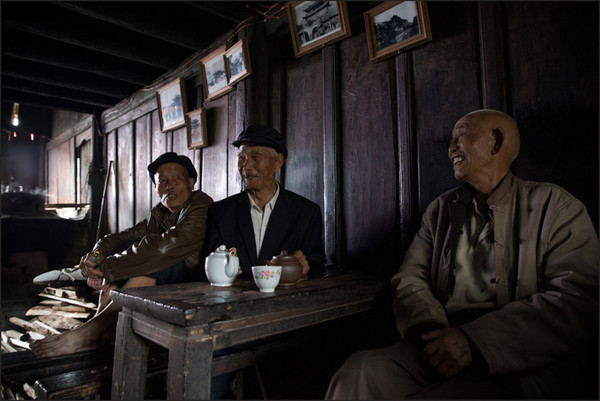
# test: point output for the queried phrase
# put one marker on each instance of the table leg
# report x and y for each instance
(190, 367)
(130, 361)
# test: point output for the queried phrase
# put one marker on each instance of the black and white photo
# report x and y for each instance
(214, 75)
(196, 129)
(315, 24)
(395, 26)
(171, 105)
(237, 62)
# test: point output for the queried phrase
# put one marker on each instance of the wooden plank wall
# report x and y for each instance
(368, 142)
(68, 143)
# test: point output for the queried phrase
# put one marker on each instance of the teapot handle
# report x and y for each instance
(233, 265)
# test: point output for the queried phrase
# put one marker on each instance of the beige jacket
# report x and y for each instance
(546, 257)
(157, 248)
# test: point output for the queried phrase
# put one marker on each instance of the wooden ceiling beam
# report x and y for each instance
(67, 78)
(155, 21)
(31, 87)
(47, 51)
(46, 102)
(223, 10)
(58, 23)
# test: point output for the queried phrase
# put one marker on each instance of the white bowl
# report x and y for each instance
(266, 277)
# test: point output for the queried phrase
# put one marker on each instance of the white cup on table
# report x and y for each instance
(266, 277)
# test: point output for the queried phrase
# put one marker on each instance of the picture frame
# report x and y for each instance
(196, 129)
(314, 25)
(396, 26)
(214, 75)
(172, 105)
(237, 62)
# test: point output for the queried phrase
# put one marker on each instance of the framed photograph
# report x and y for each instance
(171, 105)
(196, 129)
(237, 62)
(315, 24)
(394, 26)
(214, 75)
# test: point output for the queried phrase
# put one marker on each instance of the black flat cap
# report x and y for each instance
(172, 157)
(262, 135)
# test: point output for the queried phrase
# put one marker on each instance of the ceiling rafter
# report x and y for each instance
(87, 56)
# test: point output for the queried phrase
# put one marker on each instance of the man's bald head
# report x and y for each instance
(484, 144)
(510, 141)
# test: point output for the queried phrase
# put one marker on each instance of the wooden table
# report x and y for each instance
(194, 320)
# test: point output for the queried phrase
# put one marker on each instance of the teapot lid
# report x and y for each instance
(284, 257)
(222, 249)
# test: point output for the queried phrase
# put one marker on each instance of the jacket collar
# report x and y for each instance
(499, 196)
(503, 192)
(161, 213)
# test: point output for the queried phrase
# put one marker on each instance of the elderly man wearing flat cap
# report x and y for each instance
(162, 249)
(265, 218)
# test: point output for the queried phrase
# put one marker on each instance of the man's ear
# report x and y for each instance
(280, 160)
(498, 134)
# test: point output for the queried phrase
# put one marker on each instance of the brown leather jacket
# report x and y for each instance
(156, 248)
(546, 257)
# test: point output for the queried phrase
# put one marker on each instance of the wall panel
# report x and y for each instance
(303, 169)
(125, 173)
(159, 146)
(53, 178)
(214, 157)
(446, 88)
(237, 123)
(369, 172)
(112, 210)
(553, 69)
(142, 157)
(83, 144)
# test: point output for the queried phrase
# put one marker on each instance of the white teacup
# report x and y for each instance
(266, 277)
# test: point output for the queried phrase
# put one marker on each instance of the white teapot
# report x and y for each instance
(221, 267)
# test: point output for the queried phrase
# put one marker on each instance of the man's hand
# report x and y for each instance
(88, 268)
(447, 351)
(302, 259)
(97, 284)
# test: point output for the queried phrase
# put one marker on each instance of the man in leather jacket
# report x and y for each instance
(162, 249)
(497, 296)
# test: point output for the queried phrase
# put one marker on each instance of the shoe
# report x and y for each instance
(66, 274)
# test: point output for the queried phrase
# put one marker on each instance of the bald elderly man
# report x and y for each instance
(497, 296)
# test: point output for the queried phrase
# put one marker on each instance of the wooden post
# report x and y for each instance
(331, 170)
(130, 361)
(189, 374)
(407, 160)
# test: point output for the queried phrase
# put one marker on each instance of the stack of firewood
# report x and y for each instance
(62, 309)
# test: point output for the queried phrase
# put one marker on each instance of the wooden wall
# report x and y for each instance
(367, 142)
(65, 184)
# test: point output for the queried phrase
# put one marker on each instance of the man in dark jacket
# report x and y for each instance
(265, 218)
(163, 249)
(497, 296)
